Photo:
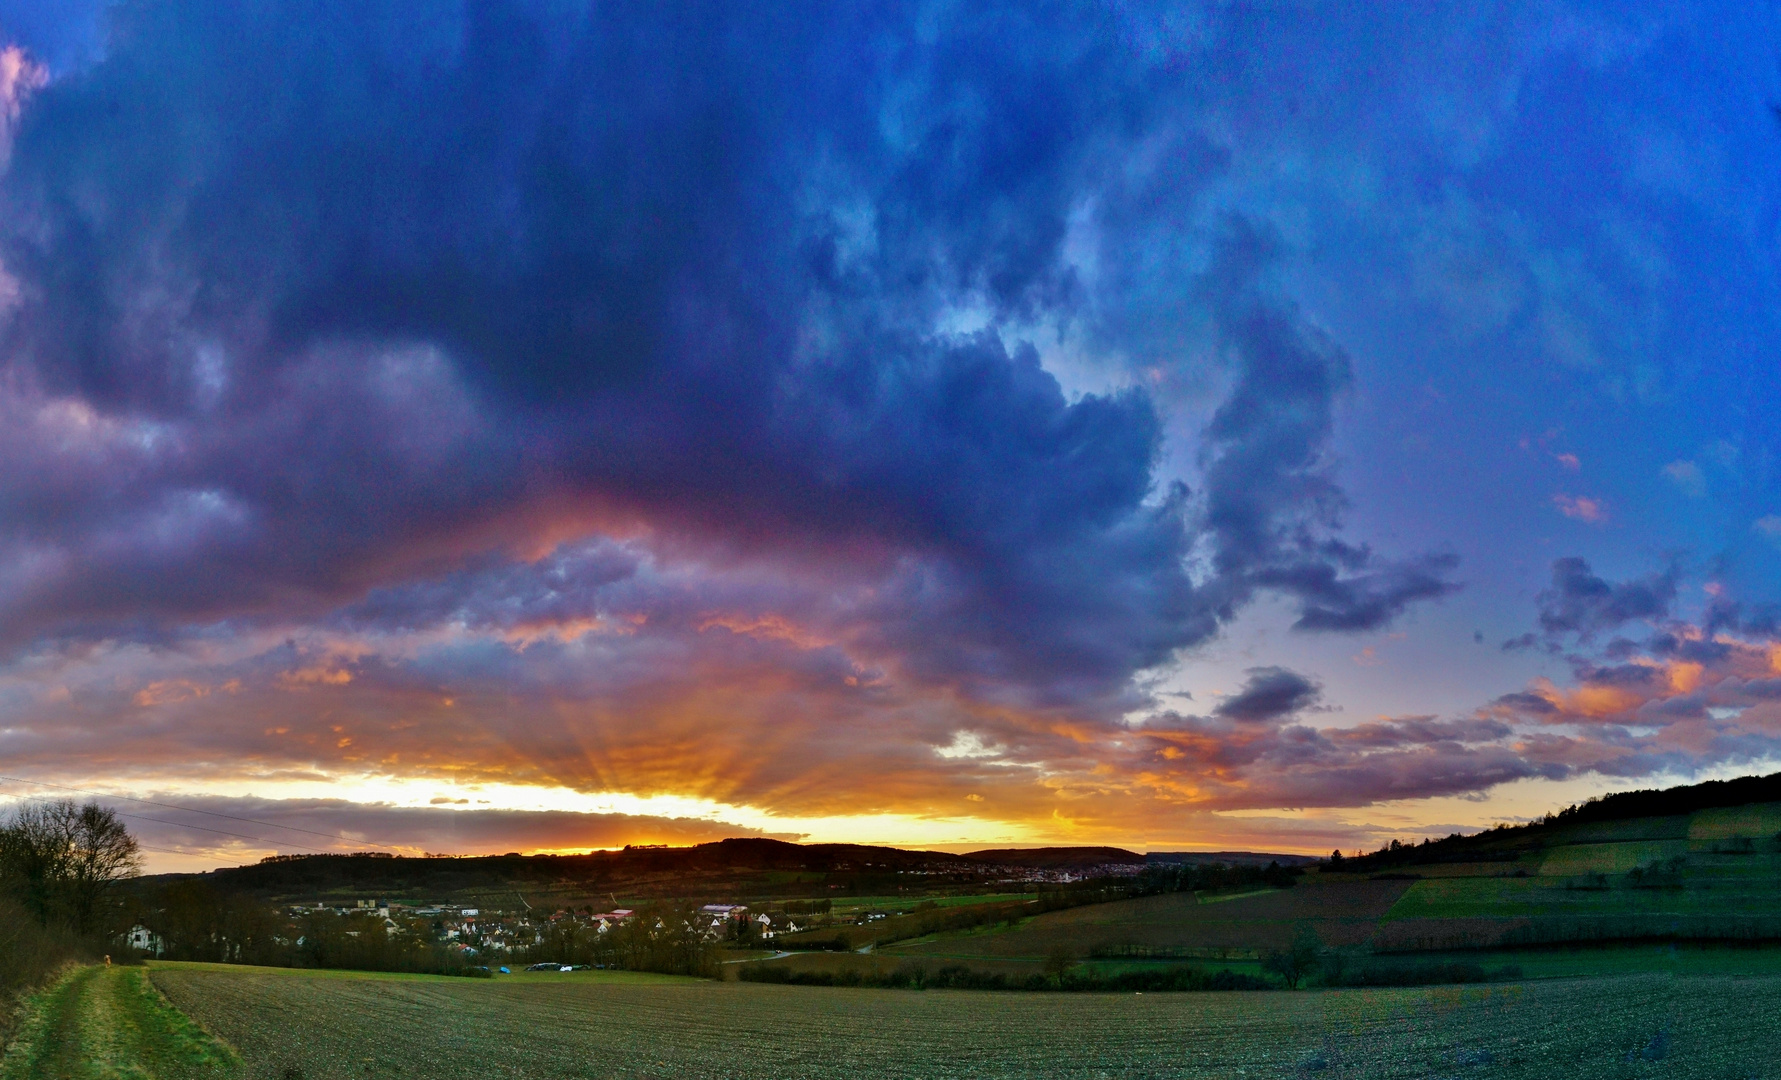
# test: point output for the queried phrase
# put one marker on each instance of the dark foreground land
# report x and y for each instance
(288, 1025)
(1587, 945)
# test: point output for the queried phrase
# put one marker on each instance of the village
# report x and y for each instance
(490, 934)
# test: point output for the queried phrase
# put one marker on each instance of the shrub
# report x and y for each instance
(1296, 962)
(801, 943)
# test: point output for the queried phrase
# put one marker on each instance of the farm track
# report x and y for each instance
(289, 1026)
(109, 1023)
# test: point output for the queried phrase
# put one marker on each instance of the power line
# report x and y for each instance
(168, 850)
(195, 810)
(175, 824)
(199, 828)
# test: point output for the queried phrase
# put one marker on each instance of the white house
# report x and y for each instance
(141, 937)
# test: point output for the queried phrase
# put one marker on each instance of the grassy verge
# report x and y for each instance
(101, 1021)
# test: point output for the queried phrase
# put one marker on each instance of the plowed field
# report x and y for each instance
(295, 1025)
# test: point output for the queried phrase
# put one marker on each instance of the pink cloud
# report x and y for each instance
(1584, 508)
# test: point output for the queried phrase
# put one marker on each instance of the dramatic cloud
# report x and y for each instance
(833, 411)
(1271, 502)
(1581, 604)
(1270, 694)
(515, 275)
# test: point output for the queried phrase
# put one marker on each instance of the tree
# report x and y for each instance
(1295, 963)
(1059, 962)
(103, 853)
(64, 861)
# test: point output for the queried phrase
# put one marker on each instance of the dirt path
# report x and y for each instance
(109, 1023)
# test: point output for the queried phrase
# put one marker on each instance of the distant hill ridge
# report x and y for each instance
(718, 860)
(1508, 842)
(1708, 795)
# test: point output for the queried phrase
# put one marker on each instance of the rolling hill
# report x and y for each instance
(747, 866)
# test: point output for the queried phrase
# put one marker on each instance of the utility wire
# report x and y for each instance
(168, 850)
(195, 810)
(176, 824)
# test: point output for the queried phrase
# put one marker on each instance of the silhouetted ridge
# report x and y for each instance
(1507, 843)
(725, 866)
(1709, 795)
(1058, 858)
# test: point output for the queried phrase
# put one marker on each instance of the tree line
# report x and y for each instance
(63, 863)
(61, 868)
(665, 938)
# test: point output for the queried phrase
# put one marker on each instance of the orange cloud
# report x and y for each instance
(169, 692)
(566, 631)
(1684, 678)
(320, 675)
(769, 627)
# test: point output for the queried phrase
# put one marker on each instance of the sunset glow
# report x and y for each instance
(553, 429)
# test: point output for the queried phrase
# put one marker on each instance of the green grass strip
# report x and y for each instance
(103, 1022)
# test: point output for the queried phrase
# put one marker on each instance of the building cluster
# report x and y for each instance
(731, 920)
(473, 931)
(1034, 876)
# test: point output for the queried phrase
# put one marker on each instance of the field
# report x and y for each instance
(294, 1025)
(1182, 925)
(1713, 876)
(853, 904)
(1611, 943)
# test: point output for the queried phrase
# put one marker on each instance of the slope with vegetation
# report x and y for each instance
(1716, 810)
(1697, 863)
(61, 867)
(1697, 866)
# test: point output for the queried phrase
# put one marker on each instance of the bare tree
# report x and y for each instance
(63, 861)
(1296, 962)
(30, 857)
(103, 854)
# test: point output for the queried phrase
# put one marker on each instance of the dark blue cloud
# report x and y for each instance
(1523, 702)
(1630, 676)
(1581, 604)
(384, 293)
(1269, 694)
(1272, 505)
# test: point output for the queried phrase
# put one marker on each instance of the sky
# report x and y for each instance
(511, 426)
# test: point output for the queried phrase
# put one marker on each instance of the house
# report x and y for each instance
(141, 937)
(606, 920)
